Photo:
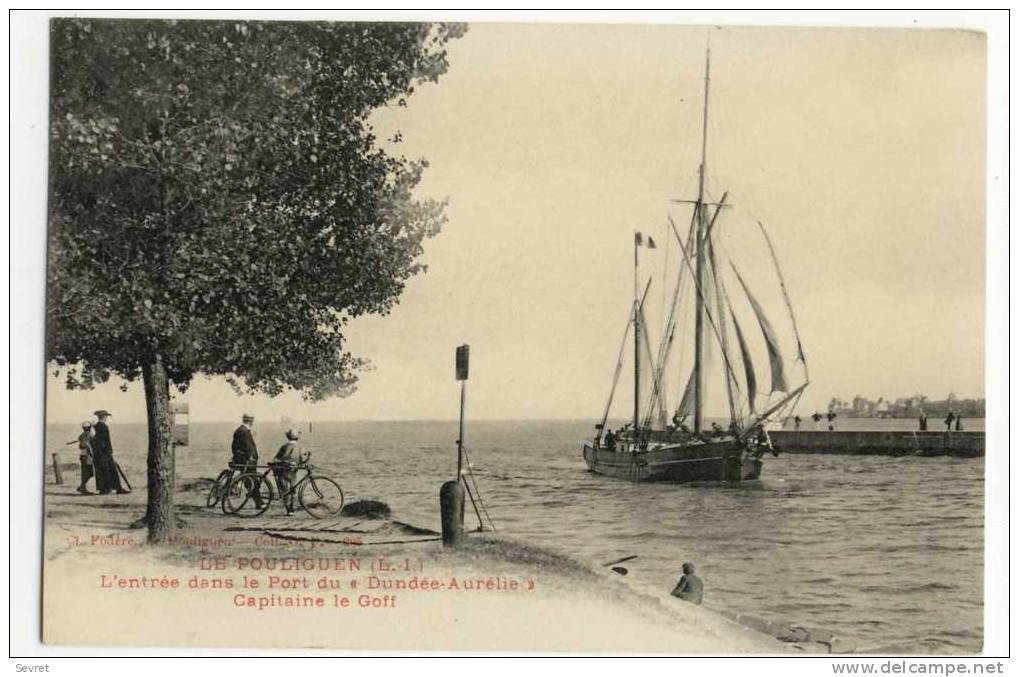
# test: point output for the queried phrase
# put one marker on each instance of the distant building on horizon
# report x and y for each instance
(907, 407)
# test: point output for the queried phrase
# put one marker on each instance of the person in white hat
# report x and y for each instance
(286, 460)
(243, 451)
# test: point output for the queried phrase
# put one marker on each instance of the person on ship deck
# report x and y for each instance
(610, 441)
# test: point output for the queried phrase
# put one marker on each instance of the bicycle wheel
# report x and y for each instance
(321, 497)
(249, 495)
(235, 492)
(218, 489)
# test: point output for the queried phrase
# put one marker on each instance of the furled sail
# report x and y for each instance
(778, 381)
(748, 365)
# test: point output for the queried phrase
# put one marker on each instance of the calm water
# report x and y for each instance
(884, 552)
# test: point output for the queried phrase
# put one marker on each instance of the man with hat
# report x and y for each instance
(243, 452)
(106, 472)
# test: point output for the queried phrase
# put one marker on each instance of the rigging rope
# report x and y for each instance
(707, 311)
(785, 295)
(655, 403)
(769, 397)
(782, 403)
(668, 333)
(478, 501)
(619, 368)
(720, 308)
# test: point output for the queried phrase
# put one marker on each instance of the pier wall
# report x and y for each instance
(967, 444)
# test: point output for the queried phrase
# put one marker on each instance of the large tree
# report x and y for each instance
(220, 204)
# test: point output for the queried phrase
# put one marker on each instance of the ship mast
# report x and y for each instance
(636, 342)
(698, 391)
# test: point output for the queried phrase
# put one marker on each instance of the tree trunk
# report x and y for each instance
(161, 473)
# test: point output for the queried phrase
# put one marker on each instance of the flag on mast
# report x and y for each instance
(640, 241)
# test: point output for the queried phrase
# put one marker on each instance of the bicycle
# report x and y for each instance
(222, 481)
(250, 494)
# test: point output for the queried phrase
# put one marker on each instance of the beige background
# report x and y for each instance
(861, 150)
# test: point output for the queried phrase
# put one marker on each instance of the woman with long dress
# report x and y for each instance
(107, 475)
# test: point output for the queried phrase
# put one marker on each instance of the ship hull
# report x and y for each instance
(711, 461)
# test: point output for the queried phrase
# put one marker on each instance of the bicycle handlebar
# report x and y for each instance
(302, 462)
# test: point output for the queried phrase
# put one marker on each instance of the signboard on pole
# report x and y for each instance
(179, 418)
(462, 358)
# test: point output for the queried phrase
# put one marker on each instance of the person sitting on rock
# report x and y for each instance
(690, 587)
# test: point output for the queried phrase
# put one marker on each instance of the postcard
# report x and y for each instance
(515, 337)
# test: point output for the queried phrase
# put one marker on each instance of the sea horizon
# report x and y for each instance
(539, 419)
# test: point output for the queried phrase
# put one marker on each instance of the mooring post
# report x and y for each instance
(56, 469)
(451, 504)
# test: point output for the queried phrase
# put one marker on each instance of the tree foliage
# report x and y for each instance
(219, 197)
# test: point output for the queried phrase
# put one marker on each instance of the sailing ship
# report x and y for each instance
(649, 448)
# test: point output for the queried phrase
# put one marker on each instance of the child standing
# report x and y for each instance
(285, 463)
(85, 456)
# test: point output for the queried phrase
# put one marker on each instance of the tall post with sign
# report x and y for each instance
(463, 354)
(180, 427)
(451, 494)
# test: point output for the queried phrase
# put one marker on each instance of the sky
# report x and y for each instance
(862, 150)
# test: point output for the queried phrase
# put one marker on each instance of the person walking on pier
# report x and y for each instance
(796, 422)
(923, 421)
(948, 421)
(690, 587)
